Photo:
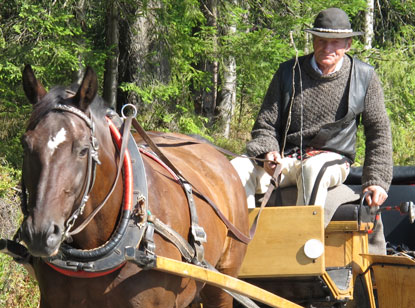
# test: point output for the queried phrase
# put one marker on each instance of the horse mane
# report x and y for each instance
(59, 95)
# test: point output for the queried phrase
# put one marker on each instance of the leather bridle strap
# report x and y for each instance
(91, 166)
(125, 135)
(231, 228)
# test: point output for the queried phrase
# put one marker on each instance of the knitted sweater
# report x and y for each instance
(319, 100)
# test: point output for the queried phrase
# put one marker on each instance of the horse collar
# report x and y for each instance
(111, 256)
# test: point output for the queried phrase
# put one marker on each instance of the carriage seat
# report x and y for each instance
(401, 175)
(342, 199)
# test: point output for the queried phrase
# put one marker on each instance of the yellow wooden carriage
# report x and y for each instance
(296, 257)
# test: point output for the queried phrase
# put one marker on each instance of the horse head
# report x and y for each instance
(58, 145)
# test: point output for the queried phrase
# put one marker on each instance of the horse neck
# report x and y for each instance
(99, 230)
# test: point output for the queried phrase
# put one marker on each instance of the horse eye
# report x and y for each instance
(83, 152)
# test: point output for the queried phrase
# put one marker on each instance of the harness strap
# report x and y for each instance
(150, 246)
(231, 228)
(198, 233)
(125, 134)
(184, 247)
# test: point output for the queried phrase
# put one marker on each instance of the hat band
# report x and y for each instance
(333, 30)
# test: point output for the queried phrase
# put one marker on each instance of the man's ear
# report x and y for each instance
(349, 42)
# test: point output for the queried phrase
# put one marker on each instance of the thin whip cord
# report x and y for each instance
(301, 111)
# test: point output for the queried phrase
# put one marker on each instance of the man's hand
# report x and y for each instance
(270, 166)
(377, 197)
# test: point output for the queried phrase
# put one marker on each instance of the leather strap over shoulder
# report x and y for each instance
(231, 228)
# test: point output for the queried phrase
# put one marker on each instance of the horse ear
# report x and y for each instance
(87, 90)
(32, 87)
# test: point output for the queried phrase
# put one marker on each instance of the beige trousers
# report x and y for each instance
(312, 176)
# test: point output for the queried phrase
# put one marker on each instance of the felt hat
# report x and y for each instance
(332, 23)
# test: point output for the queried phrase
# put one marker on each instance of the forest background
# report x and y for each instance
(193, 66)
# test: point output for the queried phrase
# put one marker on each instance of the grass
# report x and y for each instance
(17, 288)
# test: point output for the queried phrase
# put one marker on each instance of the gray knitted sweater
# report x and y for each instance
(321, 100)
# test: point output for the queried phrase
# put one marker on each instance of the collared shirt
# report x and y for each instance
(318, 70)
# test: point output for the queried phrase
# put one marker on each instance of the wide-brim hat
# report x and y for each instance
(332, 23)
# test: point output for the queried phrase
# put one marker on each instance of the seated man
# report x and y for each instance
(311, 128)
(309, 117)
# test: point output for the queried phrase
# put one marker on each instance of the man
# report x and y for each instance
(309, 117)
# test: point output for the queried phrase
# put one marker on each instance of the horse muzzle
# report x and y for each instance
(42, 241)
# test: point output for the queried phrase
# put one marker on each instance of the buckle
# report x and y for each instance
(199, 234)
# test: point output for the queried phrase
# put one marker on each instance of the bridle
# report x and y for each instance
(93, 161)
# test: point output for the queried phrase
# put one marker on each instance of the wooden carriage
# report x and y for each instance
(338, 271)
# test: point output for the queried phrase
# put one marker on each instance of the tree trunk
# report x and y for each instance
(111, 64)
(209, 98)
(228, 93)
(79, 12)
(142, 54)
(369, 24)
(228, 102)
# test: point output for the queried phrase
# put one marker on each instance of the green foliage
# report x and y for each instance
(48, 36)
(156, 99)
(58, 38)
(360, 147)
(395, 69)
(8, 179)
(17, 288)
(394, 63)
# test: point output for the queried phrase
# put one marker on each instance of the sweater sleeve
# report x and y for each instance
(378, 164)
(265, 133)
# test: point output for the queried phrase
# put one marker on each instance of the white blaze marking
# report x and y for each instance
(54, 142)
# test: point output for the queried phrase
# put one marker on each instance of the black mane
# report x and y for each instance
(61, 95)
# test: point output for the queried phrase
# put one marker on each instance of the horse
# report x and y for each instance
(58, 145)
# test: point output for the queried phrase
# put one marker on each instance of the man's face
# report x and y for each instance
(329, 51)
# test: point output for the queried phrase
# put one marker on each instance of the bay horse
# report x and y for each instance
(57, 151)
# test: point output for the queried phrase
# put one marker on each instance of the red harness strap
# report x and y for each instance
(84, 274)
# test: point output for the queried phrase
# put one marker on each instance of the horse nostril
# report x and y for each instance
(54, 236)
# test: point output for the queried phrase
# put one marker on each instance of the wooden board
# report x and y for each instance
(338, 249)
(222, 281)
(394, 280)
(277, 249)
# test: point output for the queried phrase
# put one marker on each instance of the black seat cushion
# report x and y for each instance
(353, 212)
(401, 175)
